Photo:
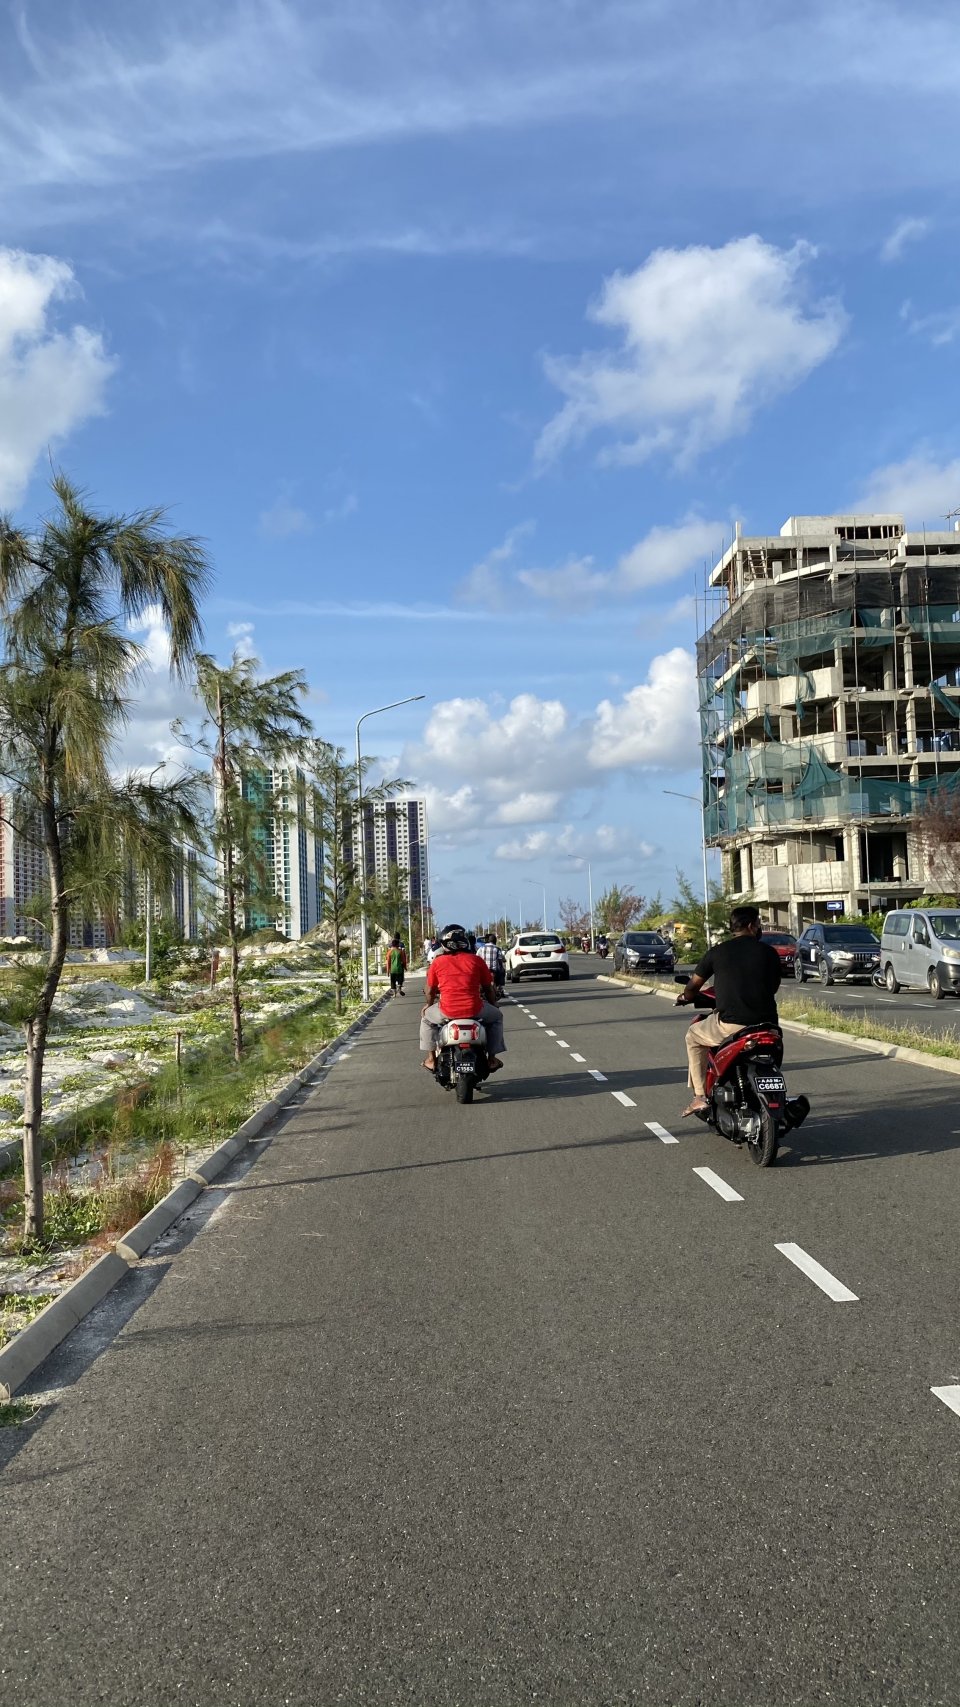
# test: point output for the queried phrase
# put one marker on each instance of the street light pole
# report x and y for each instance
(534, 885)
(593, 939)
(703, 846)
(364, 963)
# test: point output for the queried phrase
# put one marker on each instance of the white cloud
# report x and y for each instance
(662, 555)
(655, 723)
(527, 764)
(572, 847)
(707, 337)
(241, 633)
(156, 700)
(50, 381)
(283, 518)
(907, 231)
(921, 488)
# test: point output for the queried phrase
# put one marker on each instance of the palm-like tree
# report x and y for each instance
(69, 593)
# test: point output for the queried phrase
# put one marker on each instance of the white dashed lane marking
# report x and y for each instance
(660, 1132)
(950, 1397)
(820, 1276)
(595, 1075)
(580, 1058)
(621, 1096)
(719, 1185)
(551, 1034)
(562, 1044)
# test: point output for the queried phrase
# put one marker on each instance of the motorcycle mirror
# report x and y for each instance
(681, 977)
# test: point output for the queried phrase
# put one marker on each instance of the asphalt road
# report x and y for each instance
(910, 1007)
(506, 1404)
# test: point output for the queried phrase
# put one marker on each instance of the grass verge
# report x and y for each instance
(908, 1036)
(134, 1144)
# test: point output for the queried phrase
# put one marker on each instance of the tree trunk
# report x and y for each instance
(36, 1037)
(37, 1027)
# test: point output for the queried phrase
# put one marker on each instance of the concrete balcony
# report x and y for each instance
(821, 879)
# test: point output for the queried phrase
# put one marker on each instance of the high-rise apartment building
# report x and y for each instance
(291, 849)
(396, 838)
(829, 680)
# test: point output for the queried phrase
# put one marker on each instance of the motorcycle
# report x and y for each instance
(603, 947)
(462, 1057)
(584, 945)
(746, 1091)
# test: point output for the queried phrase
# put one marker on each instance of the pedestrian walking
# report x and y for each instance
(396, 964)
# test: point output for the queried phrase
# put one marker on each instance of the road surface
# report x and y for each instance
(519, 1402)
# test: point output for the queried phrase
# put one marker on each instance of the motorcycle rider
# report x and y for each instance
(746, 978)
(460, 986)
(602, 945)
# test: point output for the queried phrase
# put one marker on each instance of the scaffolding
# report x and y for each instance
(829, 682)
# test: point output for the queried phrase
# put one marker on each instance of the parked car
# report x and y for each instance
(535, 953)
(784, 943)
(829, 952)
(920, 950)
(643, 948)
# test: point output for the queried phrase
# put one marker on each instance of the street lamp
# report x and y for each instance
(364, 965)
(593, 938)
(534, 885)
(703, 844)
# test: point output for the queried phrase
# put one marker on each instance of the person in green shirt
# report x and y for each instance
(396, 966)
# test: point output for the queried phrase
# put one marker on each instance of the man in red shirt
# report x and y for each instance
(460, 986)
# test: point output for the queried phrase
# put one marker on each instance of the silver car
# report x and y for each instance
(920, 950)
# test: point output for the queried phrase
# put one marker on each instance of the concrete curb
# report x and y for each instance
(27, 1351)
(868, 1045)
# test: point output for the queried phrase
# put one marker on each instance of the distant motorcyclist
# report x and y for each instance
(746, 977)
(603, 946)
(460, 986)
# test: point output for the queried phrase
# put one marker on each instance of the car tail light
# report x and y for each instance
(519, 952)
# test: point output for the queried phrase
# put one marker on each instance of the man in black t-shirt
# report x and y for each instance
(746, 978)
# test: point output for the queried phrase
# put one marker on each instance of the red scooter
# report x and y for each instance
(746, 1091)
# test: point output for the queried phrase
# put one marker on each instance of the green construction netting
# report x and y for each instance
(771, 783)
(945, 701)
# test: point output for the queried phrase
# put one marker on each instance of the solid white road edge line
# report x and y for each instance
(719, 1185)
(621, 1096)
(820, 1276)
(660, 1132)
(580, 1058)
(595, 1075)
(950, 1397)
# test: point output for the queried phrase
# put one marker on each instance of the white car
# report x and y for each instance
(534, 953)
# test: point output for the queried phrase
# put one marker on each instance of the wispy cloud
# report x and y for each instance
(341, 511)
(385, 610)
(906, 232)
(940, 327)
(923, 487)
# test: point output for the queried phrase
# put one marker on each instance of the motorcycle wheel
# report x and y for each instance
(763, 1148)
(464, 1088)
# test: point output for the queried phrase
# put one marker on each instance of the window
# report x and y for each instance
(920, 932)
(896, 924)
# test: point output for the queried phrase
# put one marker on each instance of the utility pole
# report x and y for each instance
(148, 941)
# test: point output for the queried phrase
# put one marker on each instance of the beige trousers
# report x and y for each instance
(703, 1036)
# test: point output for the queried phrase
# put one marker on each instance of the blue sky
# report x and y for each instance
(463, 333)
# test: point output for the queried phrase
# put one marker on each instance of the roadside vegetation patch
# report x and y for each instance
(908, 1036)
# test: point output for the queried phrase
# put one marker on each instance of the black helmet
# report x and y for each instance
(454, 940)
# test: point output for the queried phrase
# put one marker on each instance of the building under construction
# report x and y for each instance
(829, 678)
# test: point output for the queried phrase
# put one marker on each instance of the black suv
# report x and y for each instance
(829, 952)
(643, 948)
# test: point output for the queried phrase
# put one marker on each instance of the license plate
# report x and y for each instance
(770, 1082)
(467, 1067)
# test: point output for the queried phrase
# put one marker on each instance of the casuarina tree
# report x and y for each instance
(252, 726)
(69, 592)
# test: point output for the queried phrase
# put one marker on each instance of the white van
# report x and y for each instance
(920, 950)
